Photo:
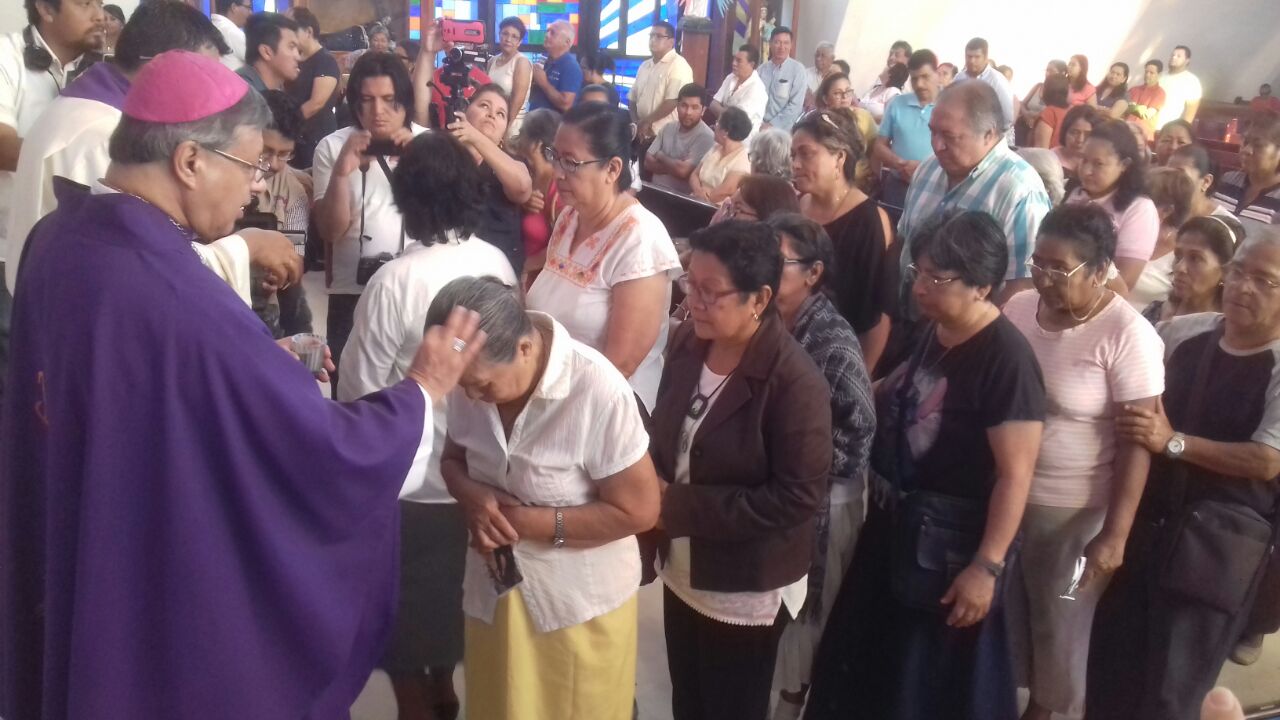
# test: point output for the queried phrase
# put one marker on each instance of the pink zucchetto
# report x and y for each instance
(180, 87)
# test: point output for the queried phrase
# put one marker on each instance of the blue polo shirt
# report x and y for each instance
(907, 125)
(565, 75)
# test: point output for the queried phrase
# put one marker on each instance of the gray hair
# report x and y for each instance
(981, 105)
(825, 46)
(770, 153)
(563, 26)
(1049, 168)
(502, 315)
(138, 142)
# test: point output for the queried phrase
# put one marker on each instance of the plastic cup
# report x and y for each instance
(310, 350)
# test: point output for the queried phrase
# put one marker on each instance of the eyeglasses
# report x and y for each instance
(915, 273)
(740, 211)
(1237, 274)
(569, 165)
(260, 169)
(660, 36)
(1054, 275)
(246, 6)
(283, 156)
(795, 261)
(703, 297)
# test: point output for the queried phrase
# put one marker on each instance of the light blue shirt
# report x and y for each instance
(906, 124)
(1003, 185)
(786, 85)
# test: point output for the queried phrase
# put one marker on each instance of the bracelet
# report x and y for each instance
(995, 568)
(558, 540)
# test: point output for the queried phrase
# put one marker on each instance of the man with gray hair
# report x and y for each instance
(823, 57)
(188, 528)
(559, 79)
(972, 168)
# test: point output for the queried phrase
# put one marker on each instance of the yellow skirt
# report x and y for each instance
(583, 672)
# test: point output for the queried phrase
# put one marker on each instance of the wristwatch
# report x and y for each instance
(558, 540)
(1173, 449)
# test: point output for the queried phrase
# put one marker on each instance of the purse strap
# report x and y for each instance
(902, 448)
(1178, 493)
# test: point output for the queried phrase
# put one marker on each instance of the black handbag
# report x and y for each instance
(935, 536)
(1218, 548)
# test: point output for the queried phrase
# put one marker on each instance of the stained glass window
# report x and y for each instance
(537, 15)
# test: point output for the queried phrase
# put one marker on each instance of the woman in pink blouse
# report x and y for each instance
(1082, 91)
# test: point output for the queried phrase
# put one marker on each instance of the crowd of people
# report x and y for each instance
(957, 393)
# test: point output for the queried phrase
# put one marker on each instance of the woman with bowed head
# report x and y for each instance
(610, 262)
(552, 573)
(876, 100)
(537, 135)
(1112, 94)
(436, 187)
(807, 310)
(1204, 248)
(770, 152)
(1112, 175)
(1097, 354)
(1034, 103)
(1207, 521)
(742, 438)
(1194, 161)
(1173, 136)
(1082, 91)
(835, 93)
(1173, 194)
(1074, 132)
(758, 198)
(505, 181)
(914, 634)
(510, 70)
(723, 167)
(825, 149)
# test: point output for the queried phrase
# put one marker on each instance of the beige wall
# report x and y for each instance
(1235, 43)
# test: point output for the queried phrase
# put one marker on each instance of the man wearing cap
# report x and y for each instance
(70, 140)
(189, 529)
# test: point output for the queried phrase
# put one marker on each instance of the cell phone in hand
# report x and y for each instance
(385, 148)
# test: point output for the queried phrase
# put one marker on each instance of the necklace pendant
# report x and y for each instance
(698, 406)
(684, 442)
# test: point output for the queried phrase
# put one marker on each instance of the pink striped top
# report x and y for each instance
(1114, 357)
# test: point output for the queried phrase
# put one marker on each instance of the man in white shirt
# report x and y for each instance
(680, 146)
(977, 66)
(1182, 91)
(70, 140)
(229, 17)
(743, 88)
(354, 211)
(823, 56)
(658, 82)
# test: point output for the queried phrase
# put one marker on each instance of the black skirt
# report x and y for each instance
(433, 552)
(880, 660)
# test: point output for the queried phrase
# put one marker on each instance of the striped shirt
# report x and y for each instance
(1264, 211)
(1003, 185)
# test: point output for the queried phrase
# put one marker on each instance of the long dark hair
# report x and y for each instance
(1116, 92)
(371, 65)
(1133, 181)
(1083, 79)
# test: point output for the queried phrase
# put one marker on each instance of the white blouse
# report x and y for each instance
(554, 458)
(576, 286)
(503, 74)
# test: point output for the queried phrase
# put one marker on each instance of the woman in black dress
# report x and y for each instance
(917, 631)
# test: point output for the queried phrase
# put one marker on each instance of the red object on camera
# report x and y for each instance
(459, 31)
(440, 93)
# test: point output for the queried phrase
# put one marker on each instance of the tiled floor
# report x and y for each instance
(1254, 685)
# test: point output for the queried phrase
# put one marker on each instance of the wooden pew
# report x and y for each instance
(681, 214)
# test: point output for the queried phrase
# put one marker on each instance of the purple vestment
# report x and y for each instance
(103, 82)
(188, 529)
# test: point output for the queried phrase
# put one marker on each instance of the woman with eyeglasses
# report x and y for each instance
(826, 148)
(815, 323)
(1206, 525)
(1204, 247)
(1252, 193)
(758, 198)
(917, 631)
(510, 70)
(835, 93)
(610, 262)
(726, 163)
(1097, 355)
(742, 440)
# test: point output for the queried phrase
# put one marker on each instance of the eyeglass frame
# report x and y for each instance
(573, 166)
(1055, 275)
(695, 292)
(261, 170)
(661, 36)
(915, 273)
(1235, 270)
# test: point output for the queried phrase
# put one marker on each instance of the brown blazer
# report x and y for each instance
(759, 464)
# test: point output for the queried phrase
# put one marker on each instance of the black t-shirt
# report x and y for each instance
(858, 277)
(500, 221)
(322, 64)
(957, 396)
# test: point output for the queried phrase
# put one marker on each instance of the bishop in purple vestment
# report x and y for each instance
(188, 528)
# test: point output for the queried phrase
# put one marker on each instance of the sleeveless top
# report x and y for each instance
(503, 74)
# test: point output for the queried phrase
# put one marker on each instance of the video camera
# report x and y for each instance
(458, 76)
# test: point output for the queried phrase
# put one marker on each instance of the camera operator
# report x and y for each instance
(354, 210)
(506, 181)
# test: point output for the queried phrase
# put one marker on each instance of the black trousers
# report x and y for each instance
(718, 671)
(6, 308)
(338, 324)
